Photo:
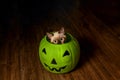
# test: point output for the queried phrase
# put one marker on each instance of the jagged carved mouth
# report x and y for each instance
(57, 70)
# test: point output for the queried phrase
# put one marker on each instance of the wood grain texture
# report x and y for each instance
(99, 44)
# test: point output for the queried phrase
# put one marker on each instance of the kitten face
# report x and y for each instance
(57, 37)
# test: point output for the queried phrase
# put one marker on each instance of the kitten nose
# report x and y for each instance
(53, 61)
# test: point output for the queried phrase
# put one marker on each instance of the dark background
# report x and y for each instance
(106, 10)
(31, 12)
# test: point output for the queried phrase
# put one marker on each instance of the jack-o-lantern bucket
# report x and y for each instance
(59, 58)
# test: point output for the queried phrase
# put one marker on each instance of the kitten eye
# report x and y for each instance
(55, 41)
(62, 39)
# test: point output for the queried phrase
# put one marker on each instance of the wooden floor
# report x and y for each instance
(100, 48)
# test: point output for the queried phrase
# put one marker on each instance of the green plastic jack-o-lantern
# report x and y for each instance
(59, 58)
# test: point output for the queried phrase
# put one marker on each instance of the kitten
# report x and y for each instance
(57, 37)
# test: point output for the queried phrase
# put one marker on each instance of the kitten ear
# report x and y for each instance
(49, 35)
(62, 30)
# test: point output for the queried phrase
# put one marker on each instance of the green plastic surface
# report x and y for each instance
(59, 58)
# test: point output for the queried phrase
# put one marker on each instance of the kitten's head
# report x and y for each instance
(57, 37)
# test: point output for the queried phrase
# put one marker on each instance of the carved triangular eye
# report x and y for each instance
(44, 51)
(53, 62)
(66, 53)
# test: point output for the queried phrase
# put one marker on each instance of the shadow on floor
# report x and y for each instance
(87, 50)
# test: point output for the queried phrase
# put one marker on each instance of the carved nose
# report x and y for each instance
(53, 61)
